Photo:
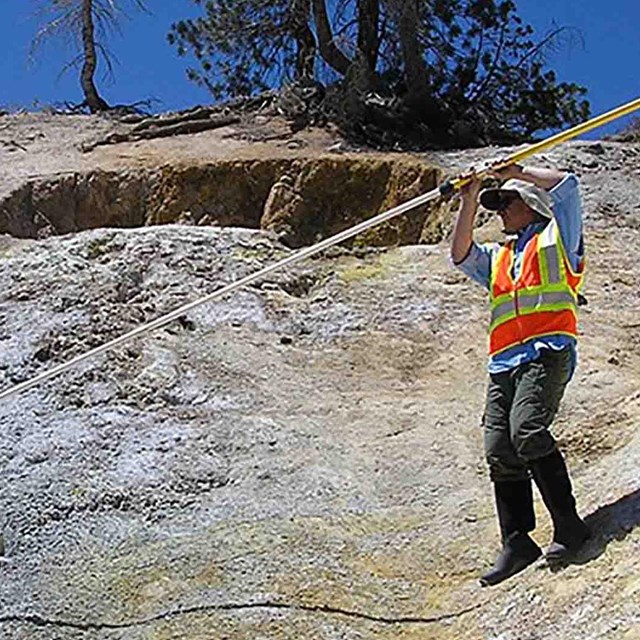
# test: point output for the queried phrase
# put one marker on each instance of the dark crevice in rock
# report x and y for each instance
(301, 286)
(298, 286)
(42, 621)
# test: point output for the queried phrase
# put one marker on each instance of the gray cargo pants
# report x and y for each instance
(521, 405)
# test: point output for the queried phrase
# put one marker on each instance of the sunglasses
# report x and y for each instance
(505, 199)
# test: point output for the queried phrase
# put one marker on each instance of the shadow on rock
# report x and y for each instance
(612, 522)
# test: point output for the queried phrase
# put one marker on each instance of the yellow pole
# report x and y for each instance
(555, 140)
(302, 254)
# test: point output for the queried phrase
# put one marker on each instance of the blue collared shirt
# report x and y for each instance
(567, 209)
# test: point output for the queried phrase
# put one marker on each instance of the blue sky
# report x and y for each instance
(606, 63)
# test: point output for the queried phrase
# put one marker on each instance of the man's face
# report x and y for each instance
(515, 214)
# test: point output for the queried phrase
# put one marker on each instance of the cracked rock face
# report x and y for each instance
(325, 196)
(301, 459)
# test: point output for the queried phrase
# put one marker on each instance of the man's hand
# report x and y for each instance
(512, 171)
(544, 178)
(469, 191)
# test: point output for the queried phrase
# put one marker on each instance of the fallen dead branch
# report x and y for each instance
(160, 129)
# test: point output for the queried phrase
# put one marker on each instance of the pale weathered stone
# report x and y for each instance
(302, 459)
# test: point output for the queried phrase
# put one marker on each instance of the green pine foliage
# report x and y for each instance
(448, 71)
(242, 46)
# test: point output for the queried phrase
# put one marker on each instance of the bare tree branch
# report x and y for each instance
(78, 22)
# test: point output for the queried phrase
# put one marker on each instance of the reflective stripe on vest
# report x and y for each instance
(550, 266)
(532, 303)
(543, 299)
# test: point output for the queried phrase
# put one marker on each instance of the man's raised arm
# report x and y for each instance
(463, 230)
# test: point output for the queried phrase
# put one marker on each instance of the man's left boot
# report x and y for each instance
(569, 530)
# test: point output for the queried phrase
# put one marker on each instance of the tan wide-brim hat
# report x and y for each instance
(538, 199)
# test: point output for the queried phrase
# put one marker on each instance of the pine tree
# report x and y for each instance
(450, 68)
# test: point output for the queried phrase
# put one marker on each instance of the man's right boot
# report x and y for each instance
(514, 503)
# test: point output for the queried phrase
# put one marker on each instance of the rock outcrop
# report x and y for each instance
(324, 195)
(303, 458)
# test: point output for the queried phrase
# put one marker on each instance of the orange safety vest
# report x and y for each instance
(542, 301)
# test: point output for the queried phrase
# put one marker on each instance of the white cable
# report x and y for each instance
(173, 315)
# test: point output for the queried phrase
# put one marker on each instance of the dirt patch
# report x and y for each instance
(597, 435)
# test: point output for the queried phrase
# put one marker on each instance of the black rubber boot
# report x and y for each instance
(569, 530)
(514, 503)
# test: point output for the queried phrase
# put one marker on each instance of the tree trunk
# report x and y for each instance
(305, 40)
(415, 68)
(419, 99)
(368, 37)
(329, 51)
(91, 96)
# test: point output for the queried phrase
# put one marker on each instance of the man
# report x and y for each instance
(533, 281)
